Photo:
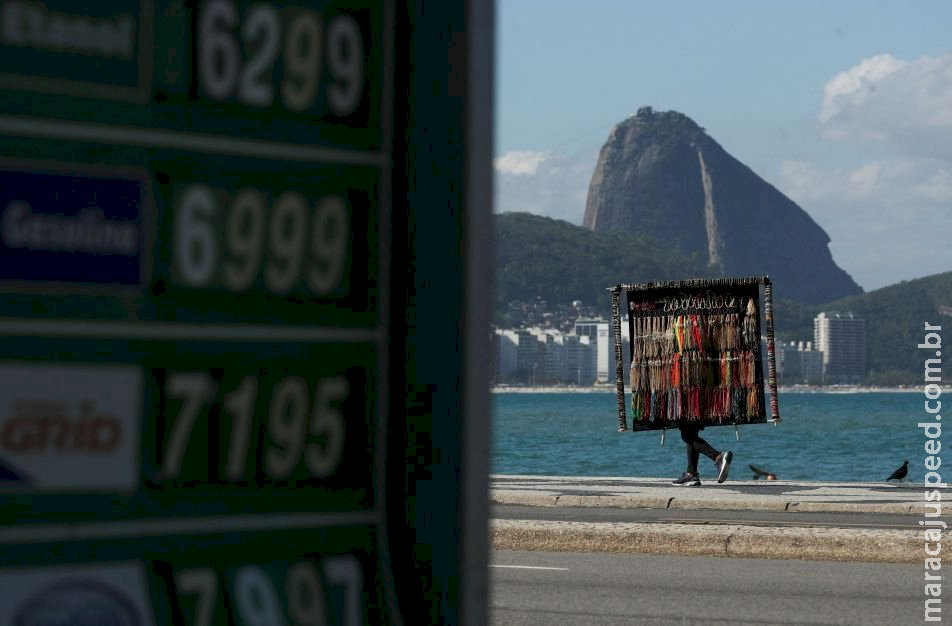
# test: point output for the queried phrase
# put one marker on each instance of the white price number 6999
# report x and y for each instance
(222, 71)
(201, 252)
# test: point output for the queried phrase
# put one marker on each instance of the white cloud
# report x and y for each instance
(866, 178)
(936, 187)
(888, 213)
(520, 162)
(856, 85)
(905, 104)
(888, 220)
(557, 185)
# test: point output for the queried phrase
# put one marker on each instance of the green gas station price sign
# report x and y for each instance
(190, 378)
(256, 240)
(305, 73)
(297, 576)
(247, 69)
(224, 225)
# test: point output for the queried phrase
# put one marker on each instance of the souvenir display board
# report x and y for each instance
(695, 353)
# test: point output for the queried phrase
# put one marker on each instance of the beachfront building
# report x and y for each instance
(799, 364)
(527, 356)
(598, 333)
(566, 359)
(539, 357)
(841, 337)
(552, 357)
(503, 349)
(811, 365)
(579, 361)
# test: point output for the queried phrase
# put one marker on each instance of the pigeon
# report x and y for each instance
(900, 473)
(759, 472)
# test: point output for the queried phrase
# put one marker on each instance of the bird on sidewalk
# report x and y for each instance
(900, 473)
(759, 472)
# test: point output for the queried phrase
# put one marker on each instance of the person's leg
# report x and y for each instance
(697, 446)
(721, 459)
(689, 436)
(693, 454)
(703, 447)
(689, 477)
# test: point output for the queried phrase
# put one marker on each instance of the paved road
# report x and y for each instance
(605, 589)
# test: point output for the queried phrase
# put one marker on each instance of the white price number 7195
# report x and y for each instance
(288, 425)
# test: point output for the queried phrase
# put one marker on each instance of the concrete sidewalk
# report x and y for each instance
(742, 495)
(786, 541)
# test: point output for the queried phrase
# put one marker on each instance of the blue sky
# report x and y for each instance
(846, 107)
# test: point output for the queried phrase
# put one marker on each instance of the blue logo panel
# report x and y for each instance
(65, 228)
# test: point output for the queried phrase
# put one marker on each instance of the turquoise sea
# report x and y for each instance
(853, 437)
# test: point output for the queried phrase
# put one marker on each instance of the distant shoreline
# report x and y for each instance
(797, 389)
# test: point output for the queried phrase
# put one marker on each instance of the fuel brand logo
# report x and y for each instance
(38, 427)
(70, 426)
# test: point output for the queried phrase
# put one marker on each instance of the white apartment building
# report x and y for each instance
(506, 345)
(811, 366)
(841, 337)
(552, 357)
(527, 351)
(579, 361)
(598, 332)
(543, 357)
(798, 363)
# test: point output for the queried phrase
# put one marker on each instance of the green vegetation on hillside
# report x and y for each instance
(895, 318)
(541, 257)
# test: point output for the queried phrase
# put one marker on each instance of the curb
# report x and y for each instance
(733, 540)
(721, 504)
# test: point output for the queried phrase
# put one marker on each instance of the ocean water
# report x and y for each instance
(851, 437)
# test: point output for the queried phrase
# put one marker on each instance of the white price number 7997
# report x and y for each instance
(294, 245)
(257, 602)
(223, 72)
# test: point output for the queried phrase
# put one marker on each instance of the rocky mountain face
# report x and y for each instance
(659, 174)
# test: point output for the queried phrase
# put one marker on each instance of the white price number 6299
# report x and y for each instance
(222, 71)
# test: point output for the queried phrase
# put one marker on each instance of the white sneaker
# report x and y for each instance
(724, 465)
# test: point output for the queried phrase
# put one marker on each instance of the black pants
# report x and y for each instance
(696, 446)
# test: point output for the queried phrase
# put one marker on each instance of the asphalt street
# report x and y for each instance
(575, 589)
